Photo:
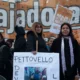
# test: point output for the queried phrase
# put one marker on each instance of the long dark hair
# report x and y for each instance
(70, 33)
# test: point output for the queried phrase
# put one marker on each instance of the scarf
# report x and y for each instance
(63, 54)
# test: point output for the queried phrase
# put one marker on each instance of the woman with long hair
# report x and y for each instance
(35, 41)
(68, 49)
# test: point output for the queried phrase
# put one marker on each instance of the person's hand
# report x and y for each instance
(34, 52)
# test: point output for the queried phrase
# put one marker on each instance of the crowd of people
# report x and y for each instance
(65, 44)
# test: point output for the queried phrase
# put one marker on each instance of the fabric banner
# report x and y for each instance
(27, 66)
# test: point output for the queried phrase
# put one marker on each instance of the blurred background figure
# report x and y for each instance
(5, 55)
(49, 43)
(10, 42)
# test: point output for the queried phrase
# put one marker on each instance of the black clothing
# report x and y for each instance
(70, 71)
(31, 42)
(19, 30)
(20, 42)
(5, 65)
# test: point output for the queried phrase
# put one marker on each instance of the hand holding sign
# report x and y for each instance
(34, 52)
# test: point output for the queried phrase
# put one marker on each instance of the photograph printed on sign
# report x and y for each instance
(35, 73)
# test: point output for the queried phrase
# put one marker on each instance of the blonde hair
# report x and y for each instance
(34, 28)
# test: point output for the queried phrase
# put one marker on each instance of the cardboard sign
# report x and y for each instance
(62, 15)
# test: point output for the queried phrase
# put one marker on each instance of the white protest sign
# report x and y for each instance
(27, 66)
(62, 14)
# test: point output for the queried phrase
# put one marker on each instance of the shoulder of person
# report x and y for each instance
(30, 33)
(57, 40)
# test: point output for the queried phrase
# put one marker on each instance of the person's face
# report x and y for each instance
(38, 29)
(65, 30)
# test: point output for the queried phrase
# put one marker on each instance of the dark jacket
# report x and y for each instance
(5, 65)
(31, 42)
(71, 71)
(20, 42)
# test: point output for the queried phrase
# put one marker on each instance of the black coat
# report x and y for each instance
(5, 64)
(71, 71)
(20, 44)
(31, 42)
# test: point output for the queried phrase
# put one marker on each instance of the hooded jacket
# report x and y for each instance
(20, 42)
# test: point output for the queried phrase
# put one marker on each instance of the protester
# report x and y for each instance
(5, 65)
(35, 41)
(20, 42)
(68, 49)
(9, 42)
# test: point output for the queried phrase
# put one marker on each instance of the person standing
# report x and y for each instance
(35, 41)
(5, 55)
(50, 41)
(20, 41)
(68, 49)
